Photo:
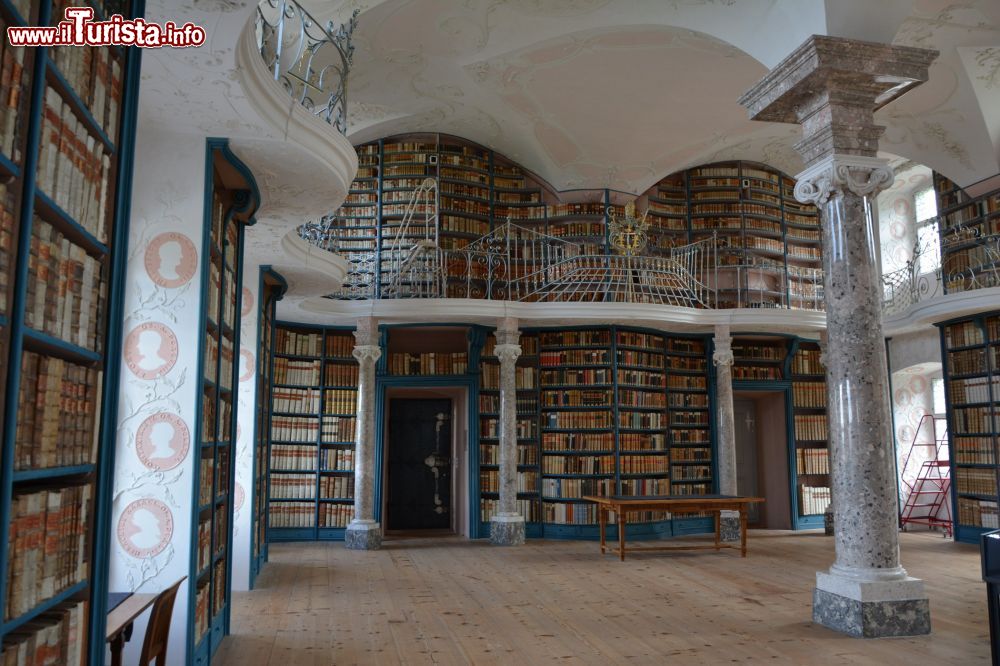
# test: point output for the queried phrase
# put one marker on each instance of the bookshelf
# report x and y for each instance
(750, 206)
(271, 287)
(811, 464)
(759, 359)
(970, 348)
(689, 401)
(966, 225)
(68, 125)
(311, 436)
(231, 200)
(528, 460)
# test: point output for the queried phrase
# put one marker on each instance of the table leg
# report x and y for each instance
(117, 645)
(718, 528)
(743, 531)
(621, 535)
(602, 520)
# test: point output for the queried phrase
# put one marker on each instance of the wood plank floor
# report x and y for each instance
(446, 600)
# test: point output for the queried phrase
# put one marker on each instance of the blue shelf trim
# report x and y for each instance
(49, 210)
(12, 12)
(52, 472)
(44, 607)
(70, 95)
(8, 168)
(54, 346)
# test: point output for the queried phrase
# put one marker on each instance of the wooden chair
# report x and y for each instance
(158, 629)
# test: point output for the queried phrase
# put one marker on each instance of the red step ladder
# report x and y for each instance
(929, 489)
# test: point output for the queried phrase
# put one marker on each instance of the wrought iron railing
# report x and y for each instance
(970, 258)
(309, 59)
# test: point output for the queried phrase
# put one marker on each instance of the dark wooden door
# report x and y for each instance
(419, 464)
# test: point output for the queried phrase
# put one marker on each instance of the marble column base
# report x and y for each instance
(507, 529)
(871, 609)
(363, 535)
(828, 522)
(729, 526)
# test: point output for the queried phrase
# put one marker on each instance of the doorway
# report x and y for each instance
(419, 464)
(762, 456)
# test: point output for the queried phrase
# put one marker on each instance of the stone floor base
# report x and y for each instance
(363, 535)
(884, 609)
(729, 527)
(507, 530)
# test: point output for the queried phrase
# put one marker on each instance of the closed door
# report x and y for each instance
(419, 464)
(745, 416)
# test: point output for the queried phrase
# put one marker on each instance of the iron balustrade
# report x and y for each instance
(310, 60)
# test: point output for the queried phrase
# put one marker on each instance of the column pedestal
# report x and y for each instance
(507, 529)
(871, 609)
(729, 526)
(363, 535)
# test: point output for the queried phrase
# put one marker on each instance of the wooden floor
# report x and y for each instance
(446, 600)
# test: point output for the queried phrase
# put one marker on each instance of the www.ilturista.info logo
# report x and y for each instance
(79, 29)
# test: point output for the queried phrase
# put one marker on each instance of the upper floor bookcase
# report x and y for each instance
(749, 207)
(67, 125)
(970, 235)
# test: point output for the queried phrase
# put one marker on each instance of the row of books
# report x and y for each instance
(810, 427)
(977, 513)
(972, 389)
(204, 543)
(570, 376)
(578, 420)
(579, 464)
(298, 344)
(73, 169)
(690, 489)
(294, 428)
(524, 378)
(975, 419)
(576, 398)
(969, 361)
(428, 363)
(337, 459)
(566, 513)
(645, 359)
(489, 454)
(813, 500)
(490, 404)
(224, 357)
(976, 481)
(809, 394)
(295, 371)
(656, 420)
(633, 398)
(47, 545)
(292, 514)
(293, 486)
(530, 509)
(206, 472)
(58, 636)
(216, 423)
(689, 472)
(341, 374)
(8, 224)
(680, 400)
(645, 488)
(812, 461)
(489, 481)
(641, 378)
(66, 288)
(974, 450)
(690, 454)
(578, 441)
(489, 428)
(293, 457)
(576, 488)
(682, 382)
(336, 487)
(295, 400)
(642, 464)
(756, 373)
(575, 357)
(340, 401)
(635, 441)
(689, 436)
(595, 338)
(201, 611)
(12, 89)
(751, 352)
(338, 429)
(95, 74)
(57, 409)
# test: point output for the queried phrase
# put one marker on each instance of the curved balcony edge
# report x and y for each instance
(295, 124)
(310, 271)
(928, 312)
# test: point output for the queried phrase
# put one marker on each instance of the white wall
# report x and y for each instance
(168, 198)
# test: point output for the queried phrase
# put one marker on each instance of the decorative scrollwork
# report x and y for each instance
(863, 176)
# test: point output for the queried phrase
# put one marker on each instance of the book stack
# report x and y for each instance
(338, 460)
(340, 401)
(292, 514)
(201, 612)
(204, 544)
(73, 168)
(298, 344)
(338, 429)
(297, 372)
(812, 461)
(57, 407)
(285, 457)
(813, 500)
(428, 363)
(8, 225)
(335, 515)
(48, 545)
(336, 487)
(811, 427)
(295, 400)
(55, 637)
(339, 374)
(293, 486)
(11, 100)
(66, 288)
(294, 428)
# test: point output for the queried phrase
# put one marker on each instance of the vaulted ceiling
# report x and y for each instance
(618, 93)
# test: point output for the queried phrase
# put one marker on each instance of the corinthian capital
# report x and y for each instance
(507, 353)
(367, 353)
(864, 176)
(723, 351)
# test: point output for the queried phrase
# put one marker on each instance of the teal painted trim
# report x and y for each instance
(249, 206)
(268, 270)
(11, 14)
(7, 167)
(61, 84)
(263, 303)
(52, 473)
(20, 285)
(53, 346)
(45, 606)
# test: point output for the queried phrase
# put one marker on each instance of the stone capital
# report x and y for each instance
(837, 174)
(507, 353)
(507, 333)
(370, 353)
(366, 333)
(723, 355)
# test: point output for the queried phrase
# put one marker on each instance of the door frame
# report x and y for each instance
(465, 483)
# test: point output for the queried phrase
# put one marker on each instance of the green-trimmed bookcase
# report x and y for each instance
(67, 130)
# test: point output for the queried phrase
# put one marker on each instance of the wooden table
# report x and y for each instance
(622, 505)
(120, 619)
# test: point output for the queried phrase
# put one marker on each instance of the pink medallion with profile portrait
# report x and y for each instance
(150, 350)
(145, 528)
(162, 441)
(171, 259)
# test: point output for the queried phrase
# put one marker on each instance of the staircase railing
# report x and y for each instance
(310, 60)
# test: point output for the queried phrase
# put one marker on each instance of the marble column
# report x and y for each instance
(725, 428)
(828, 514)
(507, 525)
(832, 87)
(364, 533)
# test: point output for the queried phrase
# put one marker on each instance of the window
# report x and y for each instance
(928, 236)
(937, 386)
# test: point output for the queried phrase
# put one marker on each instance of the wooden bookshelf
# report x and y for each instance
(759, 359)
(66, 141)
(971, 351)
(528, 460)
(232, 201)
(271, 289)
(968, 227)
(311, 444)
(810, 430)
